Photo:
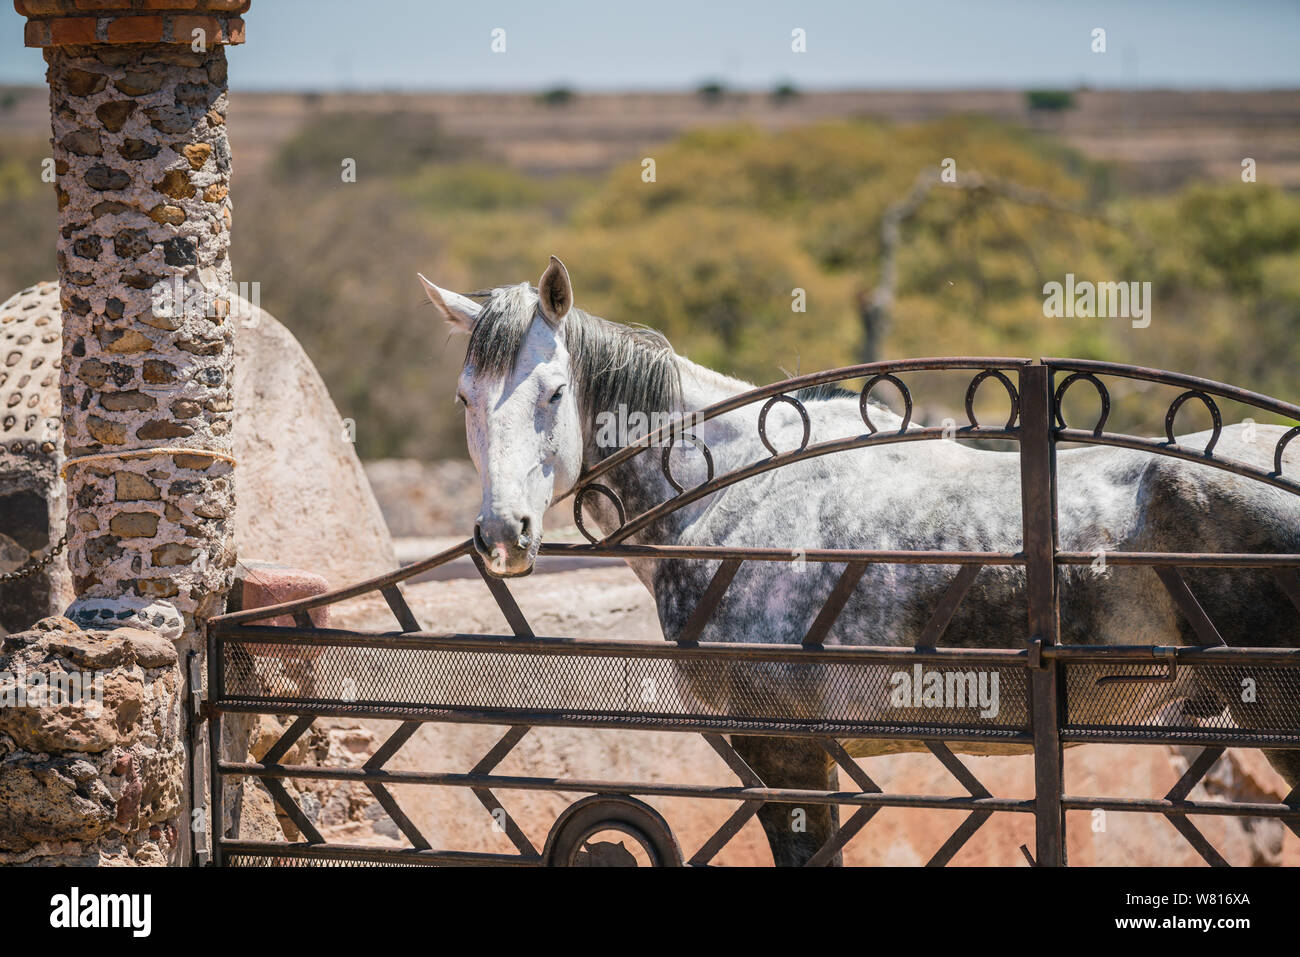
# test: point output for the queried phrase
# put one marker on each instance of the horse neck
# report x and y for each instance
(640, 483)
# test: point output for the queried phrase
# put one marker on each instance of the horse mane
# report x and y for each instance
(829, 390)
(612, 365)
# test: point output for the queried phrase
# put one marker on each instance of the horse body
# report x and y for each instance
(526, 433)
(947, 496)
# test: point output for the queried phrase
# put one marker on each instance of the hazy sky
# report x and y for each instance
(675, 44)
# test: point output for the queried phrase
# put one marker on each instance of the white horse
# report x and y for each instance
(543, 381)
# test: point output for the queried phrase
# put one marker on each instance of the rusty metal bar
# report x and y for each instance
(785, 555)
(489, 800)
(288, 739)
(958, 839)
(767, 795)
(834, 604)
(389, 747)
(1195, 838)
(958, 770)
(291, 808)
(652, 515)
(1288, 579)
(1160, 447)
(378, 855)
(1184, 654)
(748, 776)
(1204, 560)
(397, 604)
(694, 626)
(216, 804)
(343, 594)
(1289, 814)
(505, 601)
(730, 828)
(867, 370)
(843, 834)
(1206, 738)
(494, 644)
(639, 722)
(850, 767)
(1038, 518)
(947, 607)
(1176, 585)
(1178, 380)
(1195, 771)
(398, 816)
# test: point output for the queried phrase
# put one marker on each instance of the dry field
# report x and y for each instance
(1163, 137)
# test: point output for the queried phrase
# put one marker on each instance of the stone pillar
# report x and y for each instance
(138, 110)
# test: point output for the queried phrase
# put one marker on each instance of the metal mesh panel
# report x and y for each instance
(1242, 698)
(974, 696)
(252, 860)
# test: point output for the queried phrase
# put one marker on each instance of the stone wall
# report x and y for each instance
(143, 170)
(86, 781)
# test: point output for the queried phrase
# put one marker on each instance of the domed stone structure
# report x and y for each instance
(32, 507)
(305, 498)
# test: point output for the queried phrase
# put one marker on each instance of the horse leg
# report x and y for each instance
(794, 833)
(1287, 764)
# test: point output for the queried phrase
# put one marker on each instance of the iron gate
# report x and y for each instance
(1053, 695)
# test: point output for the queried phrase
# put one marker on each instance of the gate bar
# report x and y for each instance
(1038, 517)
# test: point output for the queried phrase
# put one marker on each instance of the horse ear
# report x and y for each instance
(555, 292)
(459, 311)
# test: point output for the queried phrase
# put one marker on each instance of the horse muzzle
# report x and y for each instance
(507, 546)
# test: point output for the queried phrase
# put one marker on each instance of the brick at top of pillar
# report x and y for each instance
(55, 23)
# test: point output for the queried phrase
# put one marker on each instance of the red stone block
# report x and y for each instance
(259, 584)
(42, 8)
(135, 30)
(72, 30)
(92, 5)
(183, 29)
(36, 33)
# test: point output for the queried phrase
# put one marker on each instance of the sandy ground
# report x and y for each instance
(610, 602)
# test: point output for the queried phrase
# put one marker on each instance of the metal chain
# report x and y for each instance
(33, 565)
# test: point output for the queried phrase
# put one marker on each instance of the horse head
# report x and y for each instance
(522, 421)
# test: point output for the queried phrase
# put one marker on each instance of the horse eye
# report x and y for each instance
(558, 394)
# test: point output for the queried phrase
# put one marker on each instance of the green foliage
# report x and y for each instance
(382, 144)
(711, 91)
(784, 92)
(1050, 100)
(712, 251)
(556, 96)
(720, 284)
(484, 187)
(27, 212)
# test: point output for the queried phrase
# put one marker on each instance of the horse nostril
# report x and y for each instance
(479, 541)
(525, 532)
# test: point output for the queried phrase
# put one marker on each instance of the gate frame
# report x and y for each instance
(1034, 405)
